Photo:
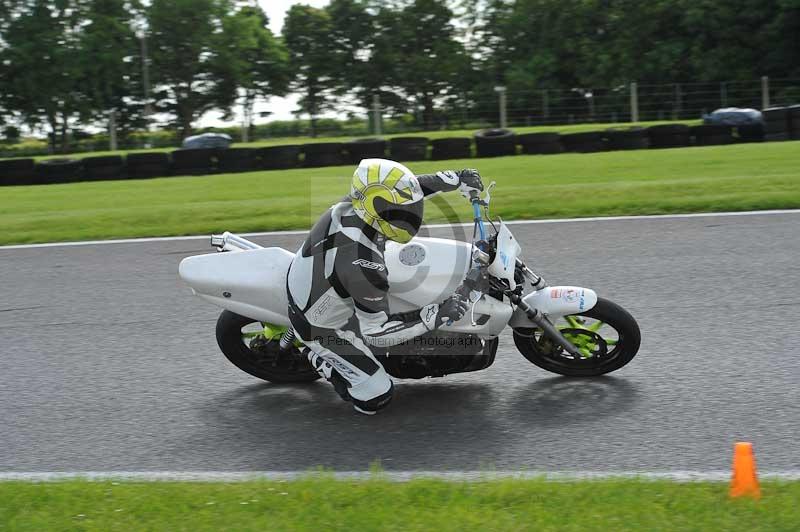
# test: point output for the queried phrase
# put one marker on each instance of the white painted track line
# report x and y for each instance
(433, 226)
(394, 476)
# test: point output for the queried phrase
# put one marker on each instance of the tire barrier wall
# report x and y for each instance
(56, 171)
(148, 165)
(495, 143)
(669, 136)
(794, 122)
(634, 138)
(365, 149)
(540, 143)
(750, 133)
(235, 160)
(323, 154)
(279, 157)
(408, 148)
(451, 148)
(589, 142)
(711, 135)
(779, 124)
(17, 172)
(109, 167)
(194, 161)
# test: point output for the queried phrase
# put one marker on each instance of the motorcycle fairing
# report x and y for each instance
(555, 302)
(505, 261)
(251, 283)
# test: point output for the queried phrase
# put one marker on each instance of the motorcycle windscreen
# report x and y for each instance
(406, 217)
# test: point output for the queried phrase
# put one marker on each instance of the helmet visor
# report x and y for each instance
(406, 217)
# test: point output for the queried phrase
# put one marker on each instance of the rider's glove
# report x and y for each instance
(451, 309)
(469, 182)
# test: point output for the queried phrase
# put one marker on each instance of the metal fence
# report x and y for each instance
(625, 103)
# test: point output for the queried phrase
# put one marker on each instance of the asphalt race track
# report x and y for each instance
(108, 363)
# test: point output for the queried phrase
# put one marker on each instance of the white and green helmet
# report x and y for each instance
(387, 196)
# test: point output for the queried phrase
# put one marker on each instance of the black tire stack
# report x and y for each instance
(588, 142)
(711, 135)
(634, 138)
(53, 171)
(669, 136)
(408, 148)
(750, 133)
(17, 172)
(794, 122)
(147, 165)
(495, 143)
(324, 154)
(235, 160)
(201, 161)
(776, 123)
(108, 167)
(540, 143)
(450, 148)
(360, 149)
(279, 157)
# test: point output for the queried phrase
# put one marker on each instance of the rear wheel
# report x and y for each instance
(253, 347)
(606, 335)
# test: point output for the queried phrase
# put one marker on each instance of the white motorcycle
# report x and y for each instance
(564, 329)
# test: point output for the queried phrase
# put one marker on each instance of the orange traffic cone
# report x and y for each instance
(744, 482)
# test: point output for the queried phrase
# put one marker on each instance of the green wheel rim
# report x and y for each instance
(587, 344)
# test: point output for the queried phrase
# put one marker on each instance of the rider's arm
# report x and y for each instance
(362, 273)
(449, 180)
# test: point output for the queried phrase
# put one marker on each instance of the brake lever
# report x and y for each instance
(475, 195)
(487, 196)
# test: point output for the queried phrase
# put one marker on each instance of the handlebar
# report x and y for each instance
(475, 199)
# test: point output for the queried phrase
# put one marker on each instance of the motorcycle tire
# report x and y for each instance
(623, 352)
(268, 365)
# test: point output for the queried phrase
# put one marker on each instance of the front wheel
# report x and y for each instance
(243, 341)
(606, 335)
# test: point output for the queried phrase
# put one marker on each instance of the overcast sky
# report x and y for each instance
(276, 10)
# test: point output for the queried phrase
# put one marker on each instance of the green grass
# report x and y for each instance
(325, 504)
(725, 178)
(283, 141)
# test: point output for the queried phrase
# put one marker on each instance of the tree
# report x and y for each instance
(255, 58)
(429, 61)
(352, 36)
(577, 46)
(307, 33)
(738, 39)
(189, 73)
(363, 50)
(40, 65)
(110, 78)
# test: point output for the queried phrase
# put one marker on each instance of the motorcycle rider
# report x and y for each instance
(339, 271)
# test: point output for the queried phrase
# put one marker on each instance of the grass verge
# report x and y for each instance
(722, 178)
(326, 504)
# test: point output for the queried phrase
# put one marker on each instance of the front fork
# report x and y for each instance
(545, 324)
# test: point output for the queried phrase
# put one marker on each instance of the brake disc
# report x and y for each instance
(589, 343)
